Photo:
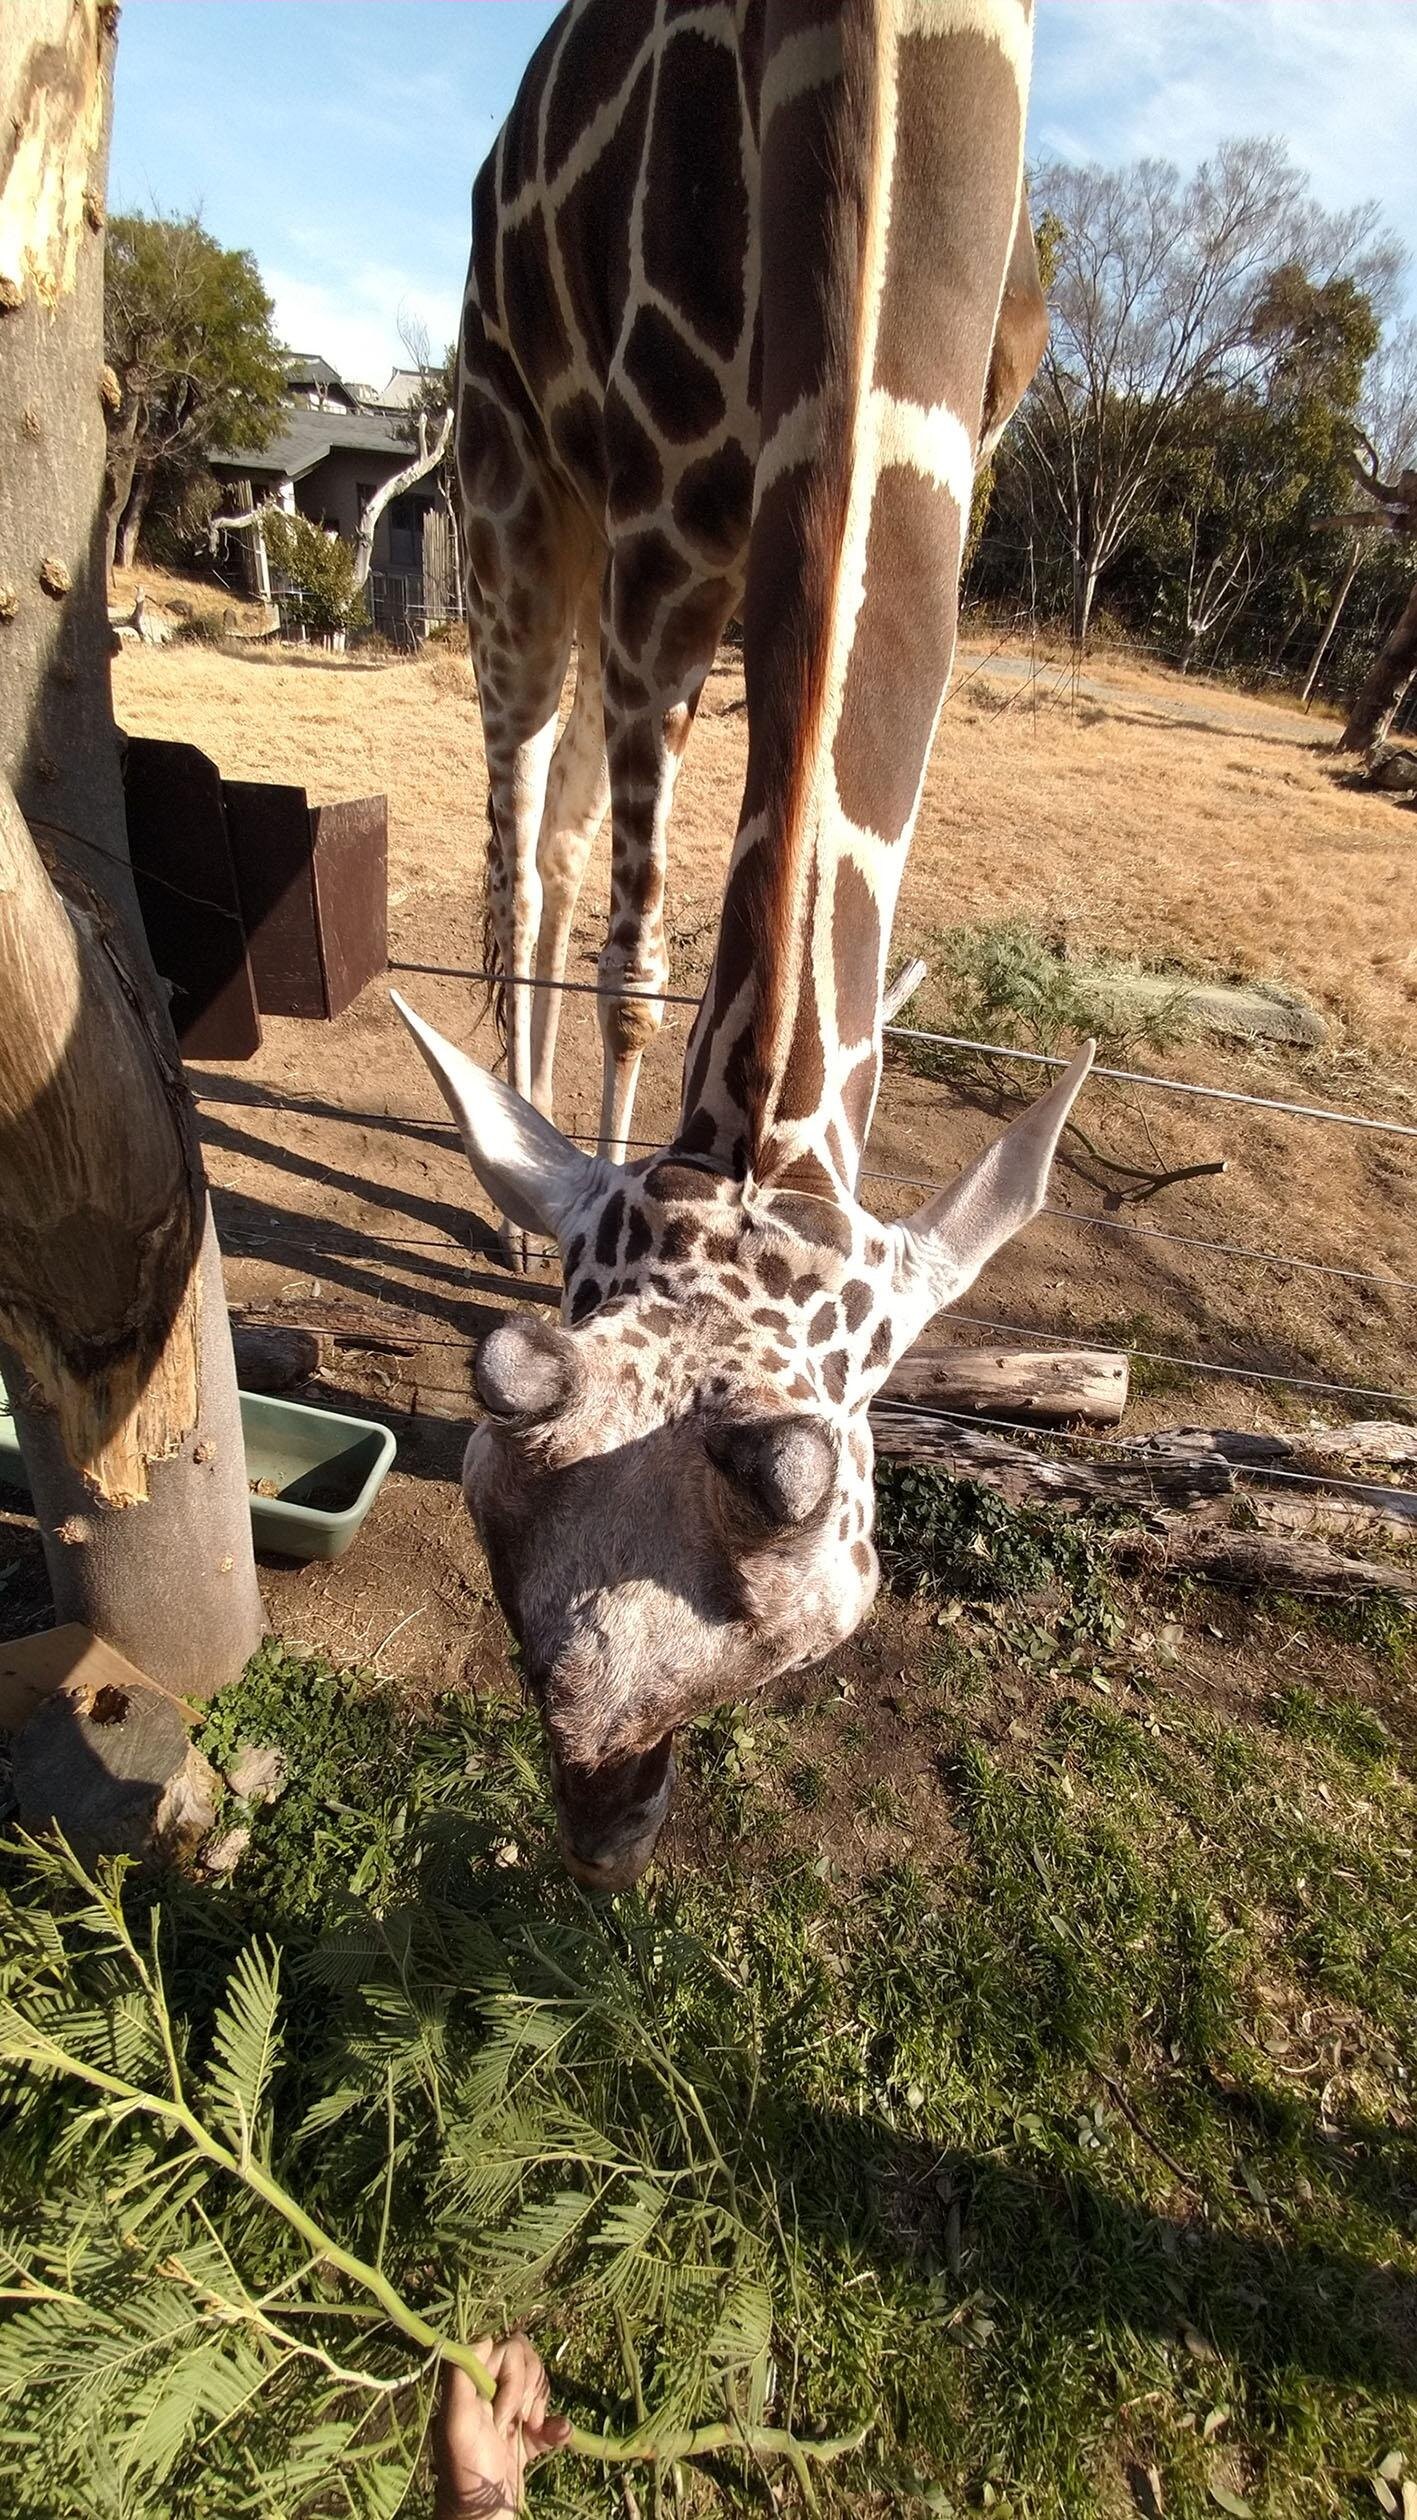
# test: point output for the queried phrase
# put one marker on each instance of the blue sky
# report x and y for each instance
(338, 138)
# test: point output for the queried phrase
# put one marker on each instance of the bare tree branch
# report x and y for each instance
(423, 463)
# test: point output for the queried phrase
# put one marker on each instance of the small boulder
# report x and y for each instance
(1393, 768)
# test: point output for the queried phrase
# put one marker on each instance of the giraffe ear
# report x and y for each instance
(534, 1174)
(947, 1242)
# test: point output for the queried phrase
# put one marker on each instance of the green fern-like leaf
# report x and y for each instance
(246, 2045)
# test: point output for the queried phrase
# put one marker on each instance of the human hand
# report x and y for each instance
(482, 2449)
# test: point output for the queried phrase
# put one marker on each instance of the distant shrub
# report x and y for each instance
(319, 569)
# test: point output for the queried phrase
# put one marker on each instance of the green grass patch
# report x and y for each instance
(1085, 2150)
(1001, 981)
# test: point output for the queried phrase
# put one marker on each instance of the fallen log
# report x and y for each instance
(1179, 1493)
(1039, 1387)
(1349, 1447)
(1262, 1559)
(314, 1320)
(1030, 1478)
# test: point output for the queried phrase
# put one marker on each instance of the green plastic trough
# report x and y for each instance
(326, 1472)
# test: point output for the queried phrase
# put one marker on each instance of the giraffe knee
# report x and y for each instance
(632, 1006)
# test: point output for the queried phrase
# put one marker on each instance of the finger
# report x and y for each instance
(551, 2433)
(507, 2406)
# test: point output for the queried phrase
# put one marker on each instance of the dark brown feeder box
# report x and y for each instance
(256, 902)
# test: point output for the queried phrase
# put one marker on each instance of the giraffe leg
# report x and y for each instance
(577, 795)
(647, 723)
(520, 689)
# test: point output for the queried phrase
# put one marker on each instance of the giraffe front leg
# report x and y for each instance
(518, 776)
(634, 962)
(577, 795)
(633, 978)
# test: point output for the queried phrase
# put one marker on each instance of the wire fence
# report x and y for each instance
(946, 1041)
(1253, 1371)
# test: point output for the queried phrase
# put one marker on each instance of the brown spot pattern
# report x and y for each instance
(678, 388)
(696, 204)
(593, 231)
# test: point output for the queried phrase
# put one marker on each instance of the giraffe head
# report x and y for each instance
(673, 1485)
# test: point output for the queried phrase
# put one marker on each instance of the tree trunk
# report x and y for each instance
(1335, 612)
(1084, 597)
(118, 475)
(1392, 670)
(414, 471)
(133, 514)
(117, 1347)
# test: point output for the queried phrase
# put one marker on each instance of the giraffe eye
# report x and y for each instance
(784, 1468)
(527, 1371)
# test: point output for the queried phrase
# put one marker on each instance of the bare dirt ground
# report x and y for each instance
(1114, 818)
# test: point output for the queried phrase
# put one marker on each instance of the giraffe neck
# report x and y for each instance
(892, 139)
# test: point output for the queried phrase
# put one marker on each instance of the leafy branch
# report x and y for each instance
(134, 2068)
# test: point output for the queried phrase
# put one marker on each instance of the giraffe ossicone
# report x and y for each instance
(674, 1484)
(752, 284)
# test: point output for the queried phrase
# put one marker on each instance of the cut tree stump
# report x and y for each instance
(1040, 1387)
(100, 1751)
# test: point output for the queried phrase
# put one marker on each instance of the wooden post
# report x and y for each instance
(116, 1348)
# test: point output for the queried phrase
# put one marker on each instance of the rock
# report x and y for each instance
(1393, 768)
(1263, 1012)
(114, 1769)
(223, 1853)
(269, 1358)
(257, 1773)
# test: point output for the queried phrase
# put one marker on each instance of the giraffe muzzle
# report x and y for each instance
(609, 1818)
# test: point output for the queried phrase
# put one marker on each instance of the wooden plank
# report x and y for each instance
(1040, 1387)
(187, 890)
(271, 847)
(33, 1668)
(349, 853)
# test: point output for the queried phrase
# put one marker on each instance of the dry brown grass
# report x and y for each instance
(1108, 826)
(1226, 852)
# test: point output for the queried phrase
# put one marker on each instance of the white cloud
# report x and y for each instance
(350, 310)
(1168, 78)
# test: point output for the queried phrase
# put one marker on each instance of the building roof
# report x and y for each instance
(305, 438)
(306, 367)
(401, 388)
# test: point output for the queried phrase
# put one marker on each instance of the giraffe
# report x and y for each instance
(673, 1483)
(608, 432)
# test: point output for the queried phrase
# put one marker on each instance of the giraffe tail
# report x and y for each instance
(493, 967)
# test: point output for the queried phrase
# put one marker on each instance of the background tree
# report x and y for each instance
(187, 325)
(113, 1323)
(1163, 291)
